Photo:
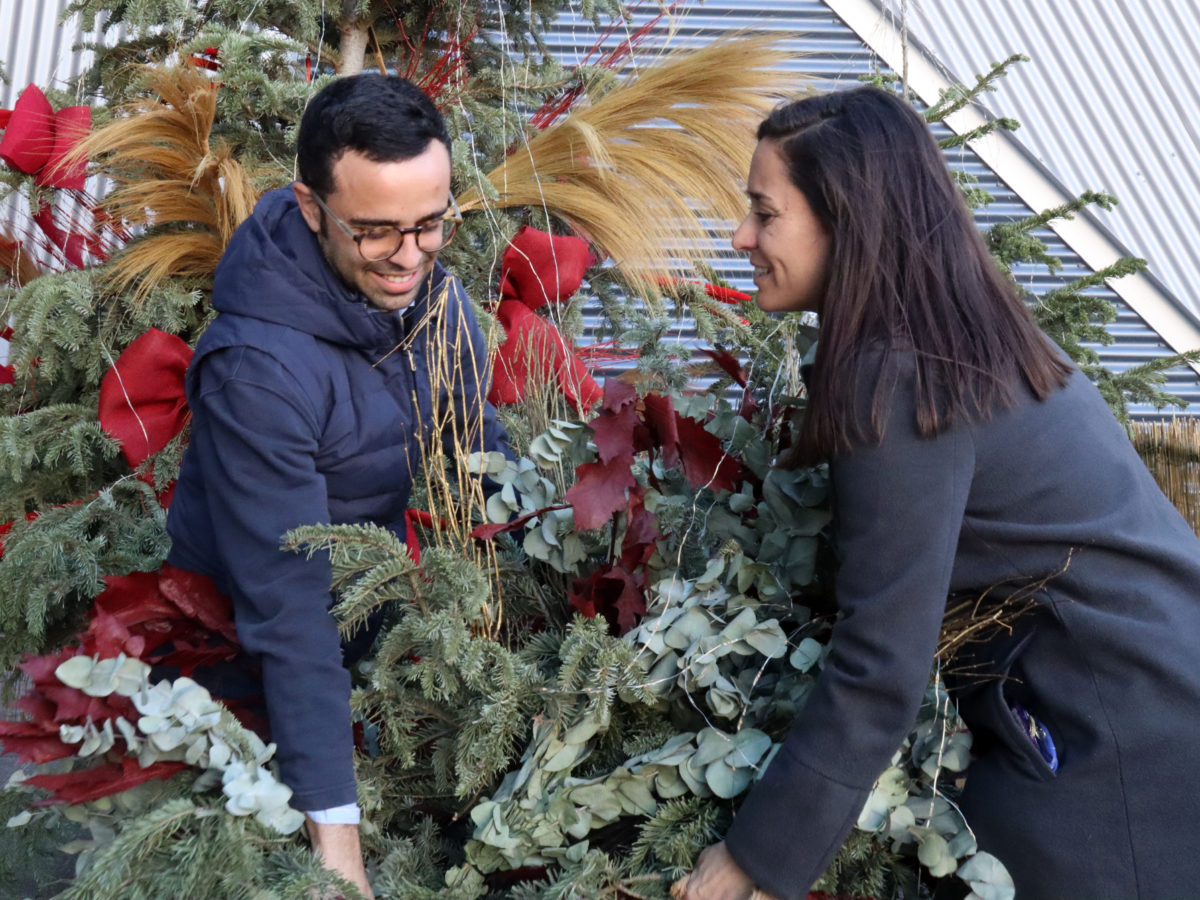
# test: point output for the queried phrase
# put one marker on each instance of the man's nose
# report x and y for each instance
(408, 254)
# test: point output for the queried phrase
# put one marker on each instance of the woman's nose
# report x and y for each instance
(743, 237)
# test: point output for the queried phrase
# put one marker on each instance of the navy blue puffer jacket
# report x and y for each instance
(310, 406)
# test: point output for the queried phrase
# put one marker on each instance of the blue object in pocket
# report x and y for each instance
(1037, 734)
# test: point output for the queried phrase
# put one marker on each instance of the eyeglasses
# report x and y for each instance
(382, 241)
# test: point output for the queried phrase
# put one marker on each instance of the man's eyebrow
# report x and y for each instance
(371, 223)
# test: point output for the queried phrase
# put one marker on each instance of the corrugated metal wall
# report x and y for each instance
(36, 46)
(1112, 107)
(830, 55)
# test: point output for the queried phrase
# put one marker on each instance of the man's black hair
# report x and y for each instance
(386, 119)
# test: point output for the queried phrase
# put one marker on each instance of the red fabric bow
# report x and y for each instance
(37, 140)
(533, 346)
(142, 400)
(538, 268)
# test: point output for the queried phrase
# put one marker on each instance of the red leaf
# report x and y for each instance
(660, 424)
(641, 533)
(728, 362)
(599, 492)
(631, 606)
(109, 637)
(101, 781)
(33, 742)
(487, 532)
(613, 593)
(705, 462)
(612, 430)
(197, 597)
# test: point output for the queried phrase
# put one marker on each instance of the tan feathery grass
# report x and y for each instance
(1171, 451)
(170, 174)
(640, 170)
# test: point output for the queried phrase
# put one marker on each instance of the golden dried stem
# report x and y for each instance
(168, 172)
(645, 170)
(1171, 451)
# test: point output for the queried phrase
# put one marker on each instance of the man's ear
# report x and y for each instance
(308, 206)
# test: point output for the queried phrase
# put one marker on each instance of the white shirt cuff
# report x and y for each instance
(338, 815)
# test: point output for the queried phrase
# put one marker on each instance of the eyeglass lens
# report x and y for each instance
(380, 243)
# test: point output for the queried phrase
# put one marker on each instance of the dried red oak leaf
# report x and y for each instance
(612, 593)
(728, 363)
(489, 531)
(599, 492)
(35, 742)
(613, 427)
(705, 462)
(101, 781)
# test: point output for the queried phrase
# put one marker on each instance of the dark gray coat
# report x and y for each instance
(1109, 660)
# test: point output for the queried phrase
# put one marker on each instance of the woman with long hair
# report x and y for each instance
(967, 456)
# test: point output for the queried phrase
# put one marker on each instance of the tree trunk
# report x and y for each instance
(353, 33)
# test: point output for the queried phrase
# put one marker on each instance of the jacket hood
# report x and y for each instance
(273, 270)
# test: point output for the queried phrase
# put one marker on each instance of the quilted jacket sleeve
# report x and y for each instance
(255, 437)
(898, 510)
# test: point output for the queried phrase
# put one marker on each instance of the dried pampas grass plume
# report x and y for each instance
(640, 170)
(170, 175)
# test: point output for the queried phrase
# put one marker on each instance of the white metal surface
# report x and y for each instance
(1109, 102)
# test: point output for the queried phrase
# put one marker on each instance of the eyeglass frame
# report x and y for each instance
(453, 214)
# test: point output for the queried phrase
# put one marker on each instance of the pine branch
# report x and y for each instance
(959, 96)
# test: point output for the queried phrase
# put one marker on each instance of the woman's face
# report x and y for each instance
(788, 246)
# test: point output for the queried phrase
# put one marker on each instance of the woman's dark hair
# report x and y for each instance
(907, 271)
(387, 119)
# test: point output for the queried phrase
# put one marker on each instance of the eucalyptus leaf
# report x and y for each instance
(806, 654)
(727, 782)
(988, 878)
(711, 744)
(934, 853)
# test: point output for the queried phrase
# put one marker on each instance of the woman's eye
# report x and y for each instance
(763, 217)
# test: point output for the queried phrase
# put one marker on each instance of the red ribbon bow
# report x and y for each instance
(538, 268)
(37, 140)
(142, 399)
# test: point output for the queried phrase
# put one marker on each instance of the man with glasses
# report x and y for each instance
(313, 402)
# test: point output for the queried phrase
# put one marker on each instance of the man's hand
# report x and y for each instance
(338, 846)
(716, 877)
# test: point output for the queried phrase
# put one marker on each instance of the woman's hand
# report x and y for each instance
(716, 877)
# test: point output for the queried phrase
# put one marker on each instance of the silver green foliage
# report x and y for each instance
(180, 721)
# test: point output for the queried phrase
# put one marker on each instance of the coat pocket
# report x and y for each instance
(1004, 718)
(993, 709)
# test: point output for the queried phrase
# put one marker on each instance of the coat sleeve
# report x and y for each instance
(255, 436)
(898, 510)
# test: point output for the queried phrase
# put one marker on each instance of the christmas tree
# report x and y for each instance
(577, 677)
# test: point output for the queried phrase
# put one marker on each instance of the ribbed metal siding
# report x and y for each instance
(1108, 102)
(36, 47)
(828, 53)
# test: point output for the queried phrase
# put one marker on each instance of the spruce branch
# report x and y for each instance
(992, 125)
(955, 98)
